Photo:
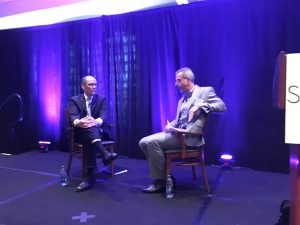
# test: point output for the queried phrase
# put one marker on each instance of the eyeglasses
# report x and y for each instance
(92, 84)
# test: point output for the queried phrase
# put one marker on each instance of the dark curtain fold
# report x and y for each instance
(231, 45)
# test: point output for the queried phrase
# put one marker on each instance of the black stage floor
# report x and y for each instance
(31, 195)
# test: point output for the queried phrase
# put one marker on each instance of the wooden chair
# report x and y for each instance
(77, 148)
(187, 156)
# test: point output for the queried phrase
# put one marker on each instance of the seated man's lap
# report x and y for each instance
(89, 134)
(164, 140)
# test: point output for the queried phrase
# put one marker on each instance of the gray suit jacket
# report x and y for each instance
(207, 101)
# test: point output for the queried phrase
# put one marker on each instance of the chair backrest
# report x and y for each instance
(205, 123)
(184, 147)
(188, 156)
(68, 116)
(70, 129)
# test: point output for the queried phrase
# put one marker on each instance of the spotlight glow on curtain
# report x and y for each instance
(47, 58)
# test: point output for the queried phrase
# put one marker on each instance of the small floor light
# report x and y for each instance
(5, 154)
(226, 161)
(44, 146)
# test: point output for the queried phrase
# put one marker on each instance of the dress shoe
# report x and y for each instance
(86, 184)
(157, 187)
(109, 157)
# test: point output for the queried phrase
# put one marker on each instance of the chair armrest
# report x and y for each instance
(181, 133)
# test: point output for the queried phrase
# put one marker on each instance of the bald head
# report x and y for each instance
(89, 85)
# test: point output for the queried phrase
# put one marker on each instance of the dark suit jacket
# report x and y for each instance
(78, 110)
(78, 107)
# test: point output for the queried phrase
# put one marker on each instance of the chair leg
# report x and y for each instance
(110, 148)
(194, 172)
(83, 173)
(69, 163)
(204, 176)
(112, 165)
(168, 166)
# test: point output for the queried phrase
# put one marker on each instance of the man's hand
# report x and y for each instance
(167, 127)
(192, 112)
(87, 122)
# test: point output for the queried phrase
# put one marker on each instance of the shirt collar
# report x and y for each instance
(86, 97)
(189, 93)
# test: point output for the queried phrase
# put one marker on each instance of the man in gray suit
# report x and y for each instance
(191, 114)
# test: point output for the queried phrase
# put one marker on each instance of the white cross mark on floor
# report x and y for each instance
(83, 217)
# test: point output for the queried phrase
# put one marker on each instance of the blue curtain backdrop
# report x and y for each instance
(231, 45)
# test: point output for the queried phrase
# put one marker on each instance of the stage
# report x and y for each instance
(31, 195)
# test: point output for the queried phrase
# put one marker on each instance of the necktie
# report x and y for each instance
(187, 96)
(88, 106)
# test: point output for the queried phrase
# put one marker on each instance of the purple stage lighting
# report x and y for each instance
(44, 145)
(227, 161)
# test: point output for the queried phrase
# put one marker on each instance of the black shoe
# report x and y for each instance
(86, 184)
(159, 186)
(109, 157)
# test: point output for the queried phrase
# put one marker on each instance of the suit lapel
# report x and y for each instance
(196, 92)
(178, 109)
(82, 103)
(193, 97)
(93, 103)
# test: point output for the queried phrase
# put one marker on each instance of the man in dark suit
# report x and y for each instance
(191, 115)
(88, 114)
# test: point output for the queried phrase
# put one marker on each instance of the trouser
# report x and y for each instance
(86, 137)
(153, 147)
